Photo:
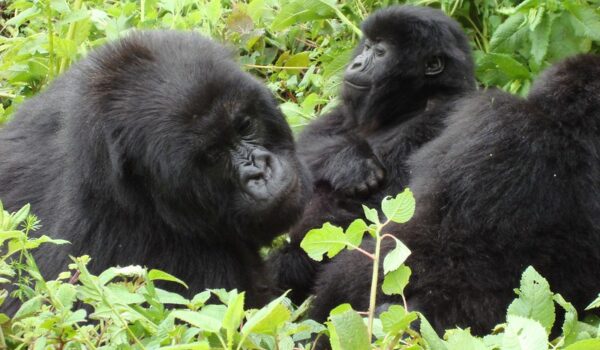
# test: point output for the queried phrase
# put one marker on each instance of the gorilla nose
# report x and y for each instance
(356, 65)
(257, 167)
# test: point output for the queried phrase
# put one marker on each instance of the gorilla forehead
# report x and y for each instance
(404, 25)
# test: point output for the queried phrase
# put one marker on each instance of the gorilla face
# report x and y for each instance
(210, 146)
(408, 55)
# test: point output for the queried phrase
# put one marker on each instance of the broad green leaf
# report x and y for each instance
(355, 232)
(399, 209)
(29, 307)
(430, 336)
(396, 257)
(524, 334)
(540, 39)
(587, 344)
(535, 299)
(23, 16)
(395, 281)
(508, 65)
(569, 335)
(396, 319)
(167, 297)
(563, 41)
(585, 20)
(371, 214)
(201, 320)
(461, 339)
(66, 295)
(327, 239)
(505, 36)
(233, 316)
(298, 60)
(158, 275)
(297, 11)
(268, 319)
(347, 329)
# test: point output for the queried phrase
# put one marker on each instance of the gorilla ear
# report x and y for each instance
(434, 66)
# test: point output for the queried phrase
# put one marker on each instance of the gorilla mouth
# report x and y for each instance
(357, 86)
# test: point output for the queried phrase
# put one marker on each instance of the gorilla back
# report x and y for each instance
(157, 150)
(509, 183)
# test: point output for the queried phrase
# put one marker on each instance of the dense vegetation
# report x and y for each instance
(298, 47)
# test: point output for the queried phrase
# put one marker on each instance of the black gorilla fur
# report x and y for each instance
(511, 182)
(157, 150)
(392, 103)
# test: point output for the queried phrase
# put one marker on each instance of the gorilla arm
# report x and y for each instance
(338, 156)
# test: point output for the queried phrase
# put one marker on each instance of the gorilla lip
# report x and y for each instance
(357, 86)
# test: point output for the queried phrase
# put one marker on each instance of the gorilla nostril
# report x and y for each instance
(356, 65)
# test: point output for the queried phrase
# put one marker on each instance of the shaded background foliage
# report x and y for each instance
(299, 47)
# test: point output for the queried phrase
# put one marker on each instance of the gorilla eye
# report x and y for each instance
(434, 66)
(244, 126)
(379, 51)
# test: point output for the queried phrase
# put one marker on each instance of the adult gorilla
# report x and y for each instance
(511, 182)
(411, 65)
(157, 150)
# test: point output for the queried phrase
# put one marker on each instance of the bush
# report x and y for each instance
(122, 308)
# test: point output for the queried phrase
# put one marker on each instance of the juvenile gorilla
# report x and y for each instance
(411, 65)
(511, 182)
(157, 150)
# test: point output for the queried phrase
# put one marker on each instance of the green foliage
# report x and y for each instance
(123, 309)
(299, 47)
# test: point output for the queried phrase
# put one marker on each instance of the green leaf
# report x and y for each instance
(66, 295)
(508, 65)
(298, 11)
(396, 257)
(298, 60)
(461, 339)
(587, 344)
(569, 335)
(395, 281)
(197, 319)
(535, 299)
(20, 216)
(594, 304)
(399, 209)
(563, 41)
(29, 307)
(233, 316)
(540, 39)
(158, 275)
(371, 214)
(506, 35)
(355, 232)
(347, 329)
(430, 336)
(585, 20)
(327, 239)
(268, 319)
(524, 334)
(396, 320)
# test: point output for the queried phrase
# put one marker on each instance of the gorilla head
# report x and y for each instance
(190, 134)
(406, 46)
(157, 150)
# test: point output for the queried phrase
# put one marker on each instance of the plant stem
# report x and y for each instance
(374, 280)
(142, 10)
(70, 36)
(51, 68)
